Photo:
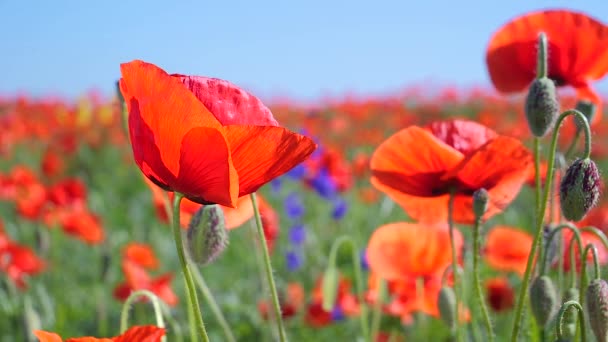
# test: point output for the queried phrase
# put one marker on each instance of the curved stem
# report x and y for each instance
(553, 233)
(478, 291)
(126, 308)
(358, 278)
(190, 289)
(202, 285)
(454, 264)
(581, 319)
(540, 214)
(268, 269)
(596, 264)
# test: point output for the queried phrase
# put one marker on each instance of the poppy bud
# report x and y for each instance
(543, 299)
(447, 306)
(480, 202)
(542, 107)
(329, 287)
(587, 108)
(207, 234)
(570, 317)
(579, 189)
(597, 308)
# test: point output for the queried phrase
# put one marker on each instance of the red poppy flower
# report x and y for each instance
(577, 51)
(419, 167)
(507, 249)
(290, 302)
(346, 304)
(500, 294)
(17, 261)
(402, 250)
(204, 137)
(143, 333)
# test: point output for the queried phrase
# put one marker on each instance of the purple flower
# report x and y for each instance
(297, 172)
(324, 185)
(294, 261)
(293, 206)
(340, 207)
(337, 314)
(297, 234)
(363, 260)
(275, 185)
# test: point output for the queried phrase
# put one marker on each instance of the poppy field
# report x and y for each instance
(186, 209)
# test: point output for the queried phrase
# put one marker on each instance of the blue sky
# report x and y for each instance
(302, 49)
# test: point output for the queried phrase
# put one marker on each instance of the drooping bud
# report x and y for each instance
(542, 107)
(207, 234)
(597, 308)
(543, 299)
(329, 286)
(447, 306)
(588, 109)
(579, 189)
(570, 317)
(480, 202)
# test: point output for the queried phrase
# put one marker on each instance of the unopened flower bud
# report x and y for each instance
(542, 107)
(329, 287)
(207, 235)
(587, 108)
(480, 202)
(579, 189)
(570, 317)
(543, 299)
(447, 306)
(597, 308)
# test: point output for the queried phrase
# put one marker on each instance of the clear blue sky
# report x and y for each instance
(303, 49)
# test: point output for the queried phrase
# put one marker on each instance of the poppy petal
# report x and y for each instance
(463, 135)
(412, 161)
(399, 251)
(141, 254)
(501, 167)
(142, 333)
(161, 112)
(235, 217)
(230, 104)
(262, 153)
(206, 171)
(44, 336)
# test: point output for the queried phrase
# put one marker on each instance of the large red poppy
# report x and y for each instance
(419, 167)
(204, 137)
(578, 51)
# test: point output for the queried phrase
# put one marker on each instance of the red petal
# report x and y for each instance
(143, 333)
(207, 174)
(262, 153)
(161, 112)
(44, 336)
(230, 104)
(462, 135)
(141, 254)
(501, 167)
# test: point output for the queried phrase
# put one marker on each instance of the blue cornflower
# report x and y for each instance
(297, 234)
(363, 260)
(337, 314)
(294, 261)
(294, 208)
(324, 185)
(340, 208)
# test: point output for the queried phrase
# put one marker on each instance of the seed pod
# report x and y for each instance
(587, 108)
(542, 107)
(447, 306)
(480, 202)
(597, 308)
(543, 299)
(207, 235)
(579, 189)
(570, 317)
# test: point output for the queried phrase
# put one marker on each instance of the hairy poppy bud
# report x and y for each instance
(579, 189)
(587, 108)
(542, 107)
(480, 202)
(570, 317)
(447, 306)
(207, 235)
(543, 299)
(597, 308)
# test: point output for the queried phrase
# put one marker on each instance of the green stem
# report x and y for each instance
(478, 292)
(268, 269)
(190, 287)
(581, 319)
(537, 181)
(540, 214)
(363, 317)
(377, 313)
(596, 264)
(202, 285)
(174, 326)
(126, 308)
(454, 264)
(557, 229)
